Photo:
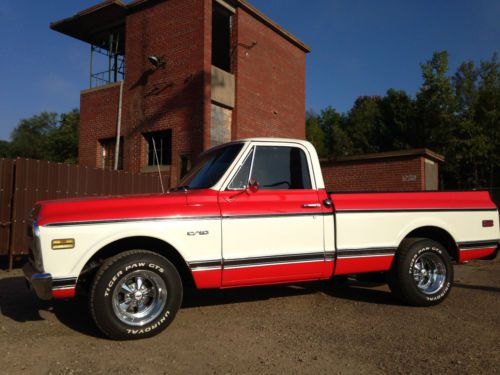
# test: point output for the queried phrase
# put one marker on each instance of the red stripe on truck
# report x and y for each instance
(465, 200)
(346, 266)
(63, 293)
(469, 254)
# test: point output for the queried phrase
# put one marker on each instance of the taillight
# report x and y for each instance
(487, 223)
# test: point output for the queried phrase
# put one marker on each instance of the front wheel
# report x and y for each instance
(422, 273)
(135, 294)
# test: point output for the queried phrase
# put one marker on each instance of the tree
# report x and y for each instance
(457, 116)
(4, 149)
(315, 134)
(333, 125)
(62, 141)
(364, 122)
(435, 102)
(29, 138)
(469, 146)
(46, 136)
(488, 116)
(398, 129)
(436, 106)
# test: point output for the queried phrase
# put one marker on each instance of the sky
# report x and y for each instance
(359, 47)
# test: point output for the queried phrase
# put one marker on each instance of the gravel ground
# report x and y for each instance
(319, 327)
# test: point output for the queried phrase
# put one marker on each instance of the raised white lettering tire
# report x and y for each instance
(135, 294)
(421, 273)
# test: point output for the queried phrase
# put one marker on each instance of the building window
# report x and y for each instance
(108, 148)
(161, 142)
(221, 37)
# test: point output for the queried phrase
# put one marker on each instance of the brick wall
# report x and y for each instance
(375, 175)
(154, 100)
(98, 118)
(169, 98)
(270, 82)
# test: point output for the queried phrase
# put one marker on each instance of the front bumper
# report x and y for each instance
(40, 282)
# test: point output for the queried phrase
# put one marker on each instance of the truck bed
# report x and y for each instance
(370, 226)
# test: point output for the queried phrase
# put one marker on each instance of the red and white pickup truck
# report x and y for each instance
(251, 212)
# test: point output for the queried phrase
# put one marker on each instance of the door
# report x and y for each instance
(273, 233)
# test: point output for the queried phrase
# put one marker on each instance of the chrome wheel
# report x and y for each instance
(139, 297)
(429, 273)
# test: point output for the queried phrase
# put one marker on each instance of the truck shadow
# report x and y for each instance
(477, 287)
(345, 289)
(21, 305)
(359, 291)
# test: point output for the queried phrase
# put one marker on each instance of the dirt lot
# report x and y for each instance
(311, 328)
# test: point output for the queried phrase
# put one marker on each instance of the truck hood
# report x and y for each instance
(119, 208)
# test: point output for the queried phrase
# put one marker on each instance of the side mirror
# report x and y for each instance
(253, 185)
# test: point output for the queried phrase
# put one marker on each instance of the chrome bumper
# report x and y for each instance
(40, 282)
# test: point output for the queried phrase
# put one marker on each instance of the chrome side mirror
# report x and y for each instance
(253, 185)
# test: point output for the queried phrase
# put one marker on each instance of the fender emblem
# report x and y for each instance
(198, 233)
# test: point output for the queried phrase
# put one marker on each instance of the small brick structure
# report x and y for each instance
(407, 170)
(228, 72)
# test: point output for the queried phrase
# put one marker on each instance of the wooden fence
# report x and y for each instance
(25, 181)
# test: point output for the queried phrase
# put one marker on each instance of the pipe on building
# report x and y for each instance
(118, 127)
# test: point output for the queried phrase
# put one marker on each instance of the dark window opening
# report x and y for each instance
(281, 168)
(159, 148)
(221, 37)
(108, 149)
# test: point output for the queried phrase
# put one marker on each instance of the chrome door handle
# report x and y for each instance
(311, 205)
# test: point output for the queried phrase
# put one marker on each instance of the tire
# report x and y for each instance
(421, 273)
(134, 295)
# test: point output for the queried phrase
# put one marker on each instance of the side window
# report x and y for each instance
(240, 180)
(281, 168)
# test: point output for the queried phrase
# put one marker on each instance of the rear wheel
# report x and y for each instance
(135, 294)
(422, 273)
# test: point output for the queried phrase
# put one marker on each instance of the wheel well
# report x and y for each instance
(439, 235)
(132, 243)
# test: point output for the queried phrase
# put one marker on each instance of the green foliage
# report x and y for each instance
(4, 149)
(398, 127)
(315, 134)
(364, 124)
(457, 116)
(45, 136)
(333, 124)
(488, 117)
(62, 142)
(29, 138)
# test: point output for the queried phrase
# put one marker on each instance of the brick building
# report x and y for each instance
(407, 170)
(181, 76)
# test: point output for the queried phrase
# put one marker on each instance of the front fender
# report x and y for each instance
(89, 239)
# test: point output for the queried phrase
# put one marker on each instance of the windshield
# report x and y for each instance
(210, 168)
